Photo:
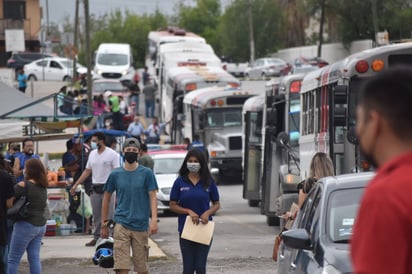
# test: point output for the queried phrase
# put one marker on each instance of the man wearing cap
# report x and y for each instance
(102, 160)
(114, 105)
(135, 187)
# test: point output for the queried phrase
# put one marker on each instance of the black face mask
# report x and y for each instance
(130, 157)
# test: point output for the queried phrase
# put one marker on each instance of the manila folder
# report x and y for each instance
(200, 233)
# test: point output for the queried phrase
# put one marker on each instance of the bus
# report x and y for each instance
(168, 35)
(252, 134)
(328, 105)
(182, 80)
(215, 114)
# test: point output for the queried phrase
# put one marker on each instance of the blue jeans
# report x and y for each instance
(150, 108)
(25, 237)
(194, 256)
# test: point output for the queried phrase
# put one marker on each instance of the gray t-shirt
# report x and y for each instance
(146, 161)
(149, 92)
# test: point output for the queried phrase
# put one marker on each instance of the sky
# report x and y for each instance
(59, 9)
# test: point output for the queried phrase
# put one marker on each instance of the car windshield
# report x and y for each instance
(167, 165)
(112, 59)
(224, 118)
(101, 87)
(342, 210)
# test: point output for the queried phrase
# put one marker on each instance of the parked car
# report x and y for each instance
(265, 67)
(19, 59)
(303, 68)
(319, 239)
(166, 167)
(52, 69)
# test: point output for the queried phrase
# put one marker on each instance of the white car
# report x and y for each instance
(166, 167)
(52, 69)
(265, 67)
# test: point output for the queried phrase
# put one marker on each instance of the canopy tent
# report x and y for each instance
(42, 114)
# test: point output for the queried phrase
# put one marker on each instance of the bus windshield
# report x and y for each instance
(113, 59)
(224, 118)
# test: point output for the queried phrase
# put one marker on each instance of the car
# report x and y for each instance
(318, 241)
(266, 67)
(19, 59)
(167, 163)
(52, 69)
(115, 86)
(303, 68)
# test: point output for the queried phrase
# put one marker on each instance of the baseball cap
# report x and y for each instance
(15, 146)
(107, 93)
(131, 142)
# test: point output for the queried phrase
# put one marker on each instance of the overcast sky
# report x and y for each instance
(58, 9)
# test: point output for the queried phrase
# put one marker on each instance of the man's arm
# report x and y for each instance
(153, 210)
(86, 173)
(16, 168)
(105, 214)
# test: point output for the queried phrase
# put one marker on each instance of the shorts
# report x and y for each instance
(125, 238)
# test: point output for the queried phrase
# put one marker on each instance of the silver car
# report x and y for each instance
(265, 67)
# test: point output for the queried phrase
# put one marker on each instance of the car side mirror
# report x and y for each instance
(297, 238)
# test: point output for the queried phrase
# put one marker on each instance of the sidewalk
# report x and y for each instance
(73, 247)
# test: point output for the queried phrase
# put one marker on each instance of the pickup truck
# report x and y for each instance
(236, 69)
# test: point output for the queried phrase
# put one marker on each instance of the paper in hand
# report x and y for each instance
(200, 233)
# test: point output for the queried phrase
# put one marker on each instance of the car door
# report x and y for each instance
(298, 261)
(55, 71)
(257, 68)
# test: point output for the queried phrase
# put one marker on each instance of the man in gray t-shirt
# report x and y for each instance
(149, 92)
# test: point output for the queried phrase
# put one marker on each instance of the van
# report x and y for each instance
(114, 61)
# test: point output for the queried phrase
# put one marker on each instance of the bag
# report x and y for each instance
(278, 240)
(21, 207)
(85, 207)
(98, 188)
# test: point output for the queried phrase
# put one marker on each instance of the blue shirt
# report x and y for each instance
(22, 79)
(23, 157)
(132, 190)
(194, 197)
(197, 145)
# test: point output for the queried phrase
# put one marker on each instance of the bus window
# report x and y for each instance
(339, 163)
(255, 128)
(339, 137)
(224, 118)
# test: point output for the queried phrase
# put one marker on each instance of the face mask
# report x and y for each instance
(193, 167)
(130, 157)
(94, 145)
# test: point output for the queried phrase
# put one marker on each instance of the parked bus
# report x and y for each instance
(182, 80)
(329, 99)
(272, 179)
(253, 132)
(215, 114)
(162, 36)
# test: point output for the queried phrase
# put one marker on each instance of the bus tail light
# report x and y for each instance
(362, 66)
(213, 153)
(212, 103)
(190, 87)
(365, 165)
(234, 85)
(377, 65)
(295, 86)
(220, 102)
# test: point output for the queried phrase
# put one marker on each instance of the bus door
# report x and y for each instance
(252, 157)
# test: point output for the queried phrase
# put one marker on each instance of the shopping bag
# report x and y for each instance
(85, 207)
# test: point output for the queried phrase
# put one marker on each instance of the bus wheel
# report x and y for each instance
(272, 221)
(253, 203)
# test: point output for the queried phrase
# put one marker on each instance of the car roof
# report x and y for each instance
(168, 153)
(347, 180)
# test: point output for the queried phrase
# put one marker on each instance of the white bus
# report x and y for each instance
(328, 105)
(215, 114)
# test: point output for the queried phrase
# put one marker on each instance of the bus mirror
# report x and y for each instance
(201, 121)
(352, 137)
(283, 139)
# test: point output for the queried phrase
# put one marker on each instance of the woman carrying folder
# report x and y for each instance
(192, 194)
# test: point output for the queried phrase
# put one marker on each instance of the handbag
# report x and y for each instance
(21, 206)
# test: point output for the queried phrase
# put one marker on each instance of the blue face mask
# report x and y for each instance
(94, 145)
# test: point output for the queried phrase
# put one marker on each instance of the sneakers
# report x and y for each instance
(91, 243)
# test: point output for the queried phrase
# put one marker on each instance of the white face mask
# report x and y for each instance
(193, 167)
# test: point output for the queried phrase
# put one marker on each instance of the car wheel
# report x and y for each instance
(67, 78)
(263, 76)
(32, 77)
(247, 76)
(253, 203)
(272, 221)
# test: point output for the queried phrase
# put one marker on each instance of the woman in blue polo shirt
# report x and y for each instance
(192, 193)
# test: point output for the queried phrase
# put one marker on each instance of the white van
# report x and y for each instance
(114, 61)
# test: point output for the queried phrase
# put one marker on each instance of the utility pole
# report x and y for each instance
(322, 22)
(375, 18)
(88, 56)
(251, 35)
(76, 31)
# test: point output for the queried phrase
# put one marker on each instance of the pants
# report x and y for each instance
(100, 121)
(150, 108)
(96, 200)
(117, 120)
(25, 237)
(135, 99)
(194, 256)
(23, 89)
